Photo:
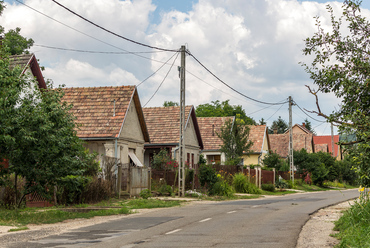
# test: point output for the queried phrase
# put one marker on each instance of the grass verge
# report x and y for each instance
(354, 226)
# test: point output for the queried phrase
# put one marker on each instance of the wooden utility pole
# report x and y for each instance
(291, 163)
(182, 125)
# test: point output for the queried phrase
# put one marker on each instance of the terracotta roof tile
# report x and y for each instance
(164, 123)
(209, 127)
(93, 108)
(256, 135)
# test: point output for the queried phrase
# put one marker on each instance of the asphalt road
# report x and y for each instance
(269, 222)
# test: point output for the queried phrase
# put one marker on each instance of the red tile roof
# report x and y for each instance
(94, 110)
(326, 139)
(257, 135)
(164, 124)
(209, 127)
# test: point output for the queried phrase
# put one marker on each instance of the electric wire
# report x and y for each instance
(274, 113)
(89, 51)
(113, 33)
(90, 36)
(157, 69)
(250, 98)
(162, 81)
(306, 113)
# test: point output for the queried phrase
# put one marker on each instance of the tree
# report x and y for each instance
(14, 43)
(262, 122)
(308, 126)
(341, 66)
(235, 141)
(280, 125)
(170, 104)
(273, 160)
(217, 109)
(37, 133)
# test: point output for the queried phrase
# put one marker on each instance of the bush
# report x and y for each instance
(207, 176)
(268, 187)
(221, 188)
(97, 190)
(70, 189)
(165, 190)
(7, 192)
(281, 184)
(145, 194)
(242, 185)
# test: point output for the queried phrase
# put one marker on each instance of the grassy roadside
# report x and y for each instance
(354, 225)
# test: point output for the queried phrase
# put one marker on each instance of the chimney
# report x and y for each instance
(304, 125)
(275, 130)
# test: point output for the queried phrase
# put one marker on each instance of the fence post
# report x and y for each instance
(119, 181)
(256, 176)
(273, 180)
(260, 177)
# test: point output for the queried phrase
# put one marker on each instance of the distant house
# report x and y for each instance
(111, 121)
(164, 130)
(261, 145)
(324, 144)
(302, 139)
(209, 127)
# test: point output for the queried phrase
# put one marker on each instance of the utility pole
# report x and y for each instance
(332, 140)
(182, 125)
(291, 163)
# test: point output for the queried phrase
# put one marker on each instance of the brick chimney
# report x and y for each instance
(275, 130)
(304, 125)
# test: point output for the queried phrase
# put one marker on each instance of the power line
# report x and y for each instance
(89, 51)
(157, 69)
(162, 81)
(306, 113)
(250, 98)
(113, 33)
(274, 113)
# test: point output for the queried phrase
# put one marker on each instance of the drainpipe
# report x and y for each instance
(119, 169)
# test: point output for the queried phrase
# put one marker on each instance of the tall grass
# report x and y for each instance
(354, 225)
(242, 185)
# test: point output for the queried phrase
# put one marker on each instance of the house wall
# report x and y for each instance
(252, 159)
(298, 130)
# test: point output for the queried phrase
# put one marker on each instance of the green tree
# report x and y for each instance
(308, 126)
(220, 109)
(170, 104)
(341, 66)
(262, 122)
(235, 141)
(273, 160)
(280, 125)
(14, 43)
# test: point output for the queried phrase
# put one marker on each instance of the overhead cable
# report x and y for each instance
(250, 98)
(113, 33)
(306, 113)
(162, 81)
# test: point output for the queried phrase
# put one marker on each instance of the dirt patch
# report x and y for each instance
(316, 232)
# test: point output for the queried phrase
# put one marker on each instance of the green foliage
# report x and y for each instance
(341, 66)
(170, 104)
(235, 138)
(308, 126)
(14, 43)
(165, 189)
(221, 188)
(242, 185)
(207, 176)
(71, 188)
(272, 160)
(163, 161)
(202, 160)
(354, 226)
(268, 187)
(278, 124)
(145, 194)
(217, 109)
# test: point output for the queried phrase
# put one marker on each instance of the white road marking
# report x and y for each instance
(231, 212)
(173, 231)
(205, 220)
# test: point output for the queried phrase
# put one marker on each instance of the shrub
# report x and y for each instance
(97, 190)
(145, 194)
(165, 190)
(242, 185)
(221, 188)
(268, 187)
(7, 192)
(281, 184)
(207, 176)
(70, 189)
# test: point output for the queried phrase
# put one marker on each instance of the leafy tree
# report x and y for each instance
(235, 141)
(262, 122)
(170, 104)
(14, 43)
(280, 125)
(217, 109)
(341, 66)
(272, 160)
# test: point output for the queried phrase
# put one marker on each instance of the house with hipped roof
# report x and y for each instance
(209, 127)
(258, 134)
(325, 143)
(164, 130)
(111, 121)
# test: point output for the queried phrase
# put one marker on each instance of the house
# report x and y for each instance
(111, 121)
(302, 139)
(258, 134)
(324, 144)
(29, 67)
(164, 130)
(209, 127)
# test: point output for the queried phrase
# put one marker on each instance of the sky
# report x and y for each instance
(253, 46)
